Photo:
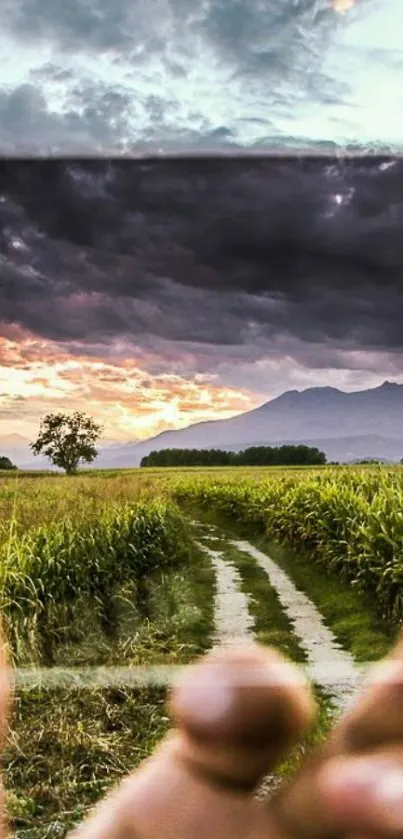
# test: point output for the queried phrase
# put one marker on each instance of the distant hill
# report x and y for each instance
(347, 426)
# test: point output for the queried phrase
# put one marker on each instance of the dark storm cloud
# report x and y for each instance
(230, 253)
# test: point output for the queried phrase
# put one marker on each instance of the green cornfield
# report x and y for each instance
(347, 521)
(64, 540)
(63, 544)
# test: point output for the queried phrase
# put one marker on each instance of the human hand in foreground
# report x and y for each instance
(236, 714)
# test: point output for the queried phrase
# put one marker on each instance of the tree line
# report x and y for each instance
(5, 463)
(253, 456)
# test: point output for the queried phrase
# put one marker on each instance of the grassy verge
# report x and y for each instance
(179, 623)
(66, 747)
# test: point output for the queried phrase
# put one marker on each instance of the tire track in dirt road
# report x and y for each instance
(329, 665)
(233, 622)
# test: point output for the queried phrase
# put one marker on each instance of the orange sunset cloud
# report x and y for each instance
(38, 376)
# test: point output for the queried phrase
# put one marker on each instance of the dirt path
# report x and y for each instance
(233, 622)
(328, 664)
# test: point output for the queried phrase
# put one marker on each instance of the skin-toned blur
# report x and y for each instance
(236, 713)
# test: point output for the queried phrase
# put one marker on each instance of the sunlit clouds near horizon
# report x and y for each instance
(37, 377)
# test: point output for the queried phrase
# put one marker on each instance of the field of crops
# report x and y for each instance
(348, 521)
(96, 571)
(65, 541)
(103, 568)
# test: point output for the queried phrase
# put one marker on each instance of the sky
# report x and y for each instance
(157, 297)
(156, 293)
(102, 77)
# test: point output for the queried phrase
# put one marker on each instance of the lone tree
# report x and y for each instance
(68, 440)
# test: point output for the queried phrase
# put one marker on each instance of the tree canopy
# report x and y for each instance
(68, 440)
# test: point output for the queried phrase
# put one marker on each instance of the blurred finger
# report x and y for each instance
(376, 717)
(235, 712)
(375, 721)
(239, 713)
(364, 794)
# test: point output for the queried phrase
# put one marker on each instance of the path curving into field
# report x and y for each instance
(328, 665)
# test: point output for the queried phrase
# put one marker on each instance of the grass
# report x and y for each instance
(178, 626)
(69, 747)
(66, 746)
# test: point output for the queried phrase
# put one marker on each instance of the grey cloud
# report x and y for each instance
(223, 261)
(95, 119)
(100, 25)
(247, 32)
(101, 77)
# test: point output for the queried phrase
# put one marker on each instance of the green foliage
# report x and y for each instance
(254, 456)
(350, 522)
(5, 463)
(46, 570)
(67, 440)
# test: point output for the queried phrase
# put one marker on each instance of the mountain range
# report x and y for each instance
(346, 426)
